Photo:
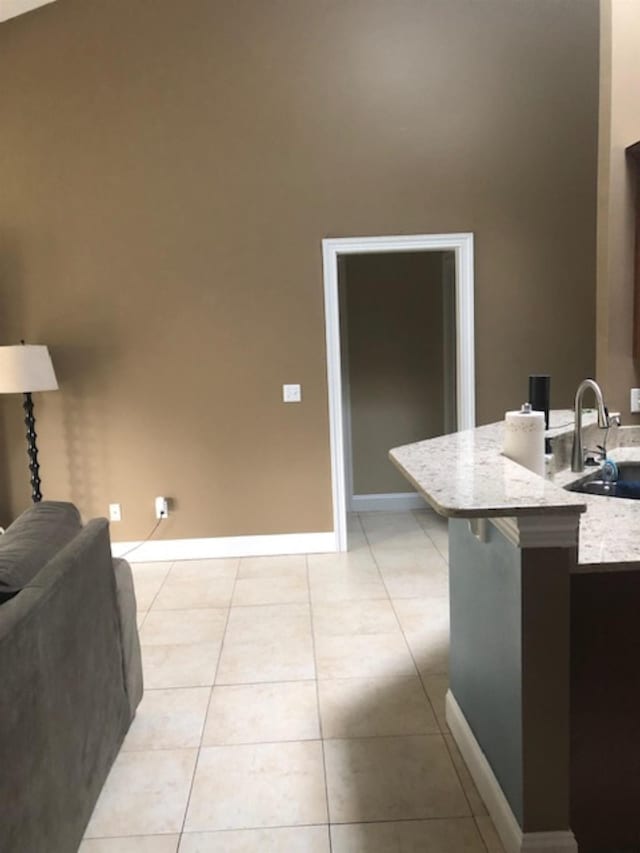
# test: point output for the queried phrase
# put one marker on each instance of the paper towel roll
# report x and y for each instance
(524, 439)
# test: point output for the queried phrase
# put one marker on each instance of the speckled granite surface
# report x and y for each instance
(610, 528)
(464, 475)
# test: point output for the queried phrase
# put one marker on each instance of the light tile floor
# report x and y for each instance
(296, 705)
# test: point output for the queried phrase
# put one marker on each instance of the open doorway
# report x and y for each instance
(397, 333)
(393, 283)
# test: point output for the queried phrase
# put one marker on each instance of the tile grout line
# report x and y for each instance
(231, 684)
(395, 613)
(242, 606)
(425, 530)
(320, 727)
(404, 637)
(204, 723)
(368, 822)
(464, 791)
(241, 683)
(419, 673)
(443, 733)
(153, 600)
(287, 740)
(480, 833)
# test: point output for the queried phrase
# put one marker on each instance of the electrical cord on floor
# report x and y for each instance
(144, 541)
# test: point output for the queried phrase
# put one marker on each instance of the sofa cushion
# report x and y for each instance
(32, 540)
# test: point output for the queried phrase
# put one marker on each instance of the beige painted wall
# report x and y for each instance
(619, 128)
(394, 320)
(168, 171)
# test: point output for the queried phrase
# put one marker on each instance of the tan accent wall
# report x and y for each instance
(168, 171)
(394, 320)
(619, 128)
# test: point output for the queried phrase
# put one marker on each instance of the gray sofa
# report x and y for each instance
(70, 674)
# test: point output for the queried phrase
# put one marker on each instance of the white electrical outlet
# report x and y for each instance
(635, 401)
(291, 393)
(162, 507)
(115, 513)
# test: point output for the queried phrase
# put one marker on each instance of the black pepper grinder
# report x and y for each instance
(539, 397)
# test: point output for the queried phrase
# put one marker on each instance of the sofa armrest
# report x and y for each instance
(127, 612)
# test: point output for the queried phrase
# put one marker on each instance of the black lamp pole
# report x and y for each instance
(25, 368)
(32, 450)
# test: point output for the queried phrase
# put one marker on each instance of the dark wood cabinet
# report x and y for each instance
(633, 153)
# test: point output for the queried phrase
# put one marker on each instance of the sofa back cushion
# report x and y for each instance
(32, 540)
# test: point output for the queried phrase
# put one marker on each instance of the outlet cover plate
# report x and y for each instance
(634, 404)
(115, 512)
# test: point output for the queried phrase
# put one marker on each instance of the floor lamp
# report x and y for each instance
(25, 368)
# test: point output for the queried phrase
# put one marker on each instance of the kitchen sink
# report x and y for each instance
(627, 484)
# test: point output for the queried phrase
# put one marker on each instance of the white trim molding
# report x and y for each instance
(391, 502)
(540, 531)
(462, 246)
(506, 824)
(225, 546)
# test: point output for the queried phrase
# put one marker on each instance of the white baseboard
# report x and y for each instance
(226, 546)
(392, 502)
(506, 824)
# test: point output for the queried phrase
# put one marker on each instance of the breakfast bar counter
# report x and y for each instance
(465, 475)
(543, 674)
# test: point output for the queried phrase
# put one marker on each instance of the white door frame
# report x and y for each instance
(462, 247)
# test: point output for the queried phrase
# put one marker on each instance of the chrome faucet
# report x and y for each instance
(577, 455)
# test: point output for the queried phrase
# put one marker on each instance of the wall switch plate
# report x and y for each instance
(635, 401)
(115, 513)
(291, 393)
(162, 507)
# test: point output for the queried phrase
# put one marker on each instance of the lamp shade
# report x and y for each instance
(25, 368)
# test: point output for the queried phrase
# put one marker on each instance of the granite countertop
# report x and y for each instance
(465, 475)
(610, 528)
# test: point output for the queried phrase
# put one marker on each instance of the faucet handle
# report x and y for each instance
(612, 420)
